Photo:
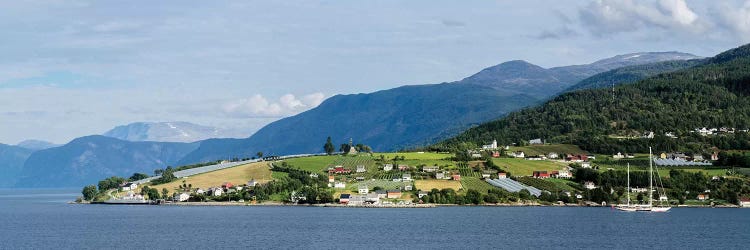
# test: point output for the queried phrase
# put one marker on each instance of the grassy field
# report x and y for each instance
(561, 149)
(236, 175)
(427, 185)
(664, 171)
(476, 184)
(315, 164)
(521, 167)
(414, 159)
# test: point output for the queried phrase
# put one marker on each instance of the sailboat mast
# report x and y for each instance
(628, 184)
(650, 178)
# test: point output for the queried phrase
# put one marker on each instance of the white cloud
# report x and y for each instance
(259, 106)
(603, 17)
(735, 19)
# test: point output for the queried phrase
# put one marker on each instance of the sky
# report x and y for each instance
(76, 68)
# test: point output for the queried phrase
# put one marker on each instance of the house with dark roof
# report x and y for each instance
(344, 198)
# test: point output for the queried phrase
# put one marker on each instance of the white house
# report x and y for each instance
(422, 194)
(313, 175)
(252, 183)
(217, 191)
(200, 191)
(589, 185)
(387, 167)
(181, 197)
(744, 202)
(363, 189)
(536, 141)
(339, 185)
(408, 187)
(491, 146)
(502, 175)
(129, 186)
(430, 168)
(648, 135)
(517, 154)
(553, 155)
(618, 156)
(440, 175)
(564, 174)
(586, 164)
(406, 177)
(361, 169)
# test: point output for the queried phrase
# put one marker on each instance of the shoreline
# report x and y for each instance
(280, 204)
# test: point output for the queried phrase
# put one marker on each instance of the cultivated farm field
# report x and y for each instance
(427, 185)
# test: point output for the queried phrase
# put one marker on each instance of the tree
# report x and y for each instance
(164, 193)
(328, 147)
(344, 148)
(137, 176)
(89, 192)
(259, 154)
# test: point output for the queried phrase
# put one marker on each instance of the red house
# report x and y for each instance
(577, 158)
(495, 154)
(227, 185)
(339, 170)
(541, 174)
(456, 177)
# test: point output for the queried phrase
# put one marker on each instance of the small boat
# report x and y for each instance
(650, 206)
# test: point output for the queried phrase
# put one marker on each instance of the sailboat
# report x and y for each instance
(650, 206)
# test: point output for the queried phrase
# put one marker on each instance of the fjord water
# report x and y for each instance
(34, 219)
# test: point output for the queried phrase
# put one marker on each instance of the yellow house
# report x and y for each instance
(663, 156)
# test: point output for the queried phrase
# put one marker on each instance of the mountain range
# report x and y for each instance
(403, 117)
(170, 132)
(713, 92)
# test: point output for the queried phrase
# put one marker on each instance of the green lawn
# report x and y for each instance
(521, 167)
(476, 184)
(561, 149)
(415, 159)
(313, 163)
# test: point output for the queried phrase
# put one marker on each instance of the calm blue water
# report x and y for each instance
(42, 219)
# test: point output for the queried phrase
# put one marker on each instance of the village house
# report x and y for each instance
(553, 155)
(535, 158)
(407, 187)
(697, 158)
(440, 175)
(618, 156)
(382, 194)
(331, 178)
(344, 198)
(576, 158)
(517, 154)
(394, 194)
(422, 194)
(129, 186)
(586, 164)
(670, 135)
(590, 157)
(200, 191)
(387, 167)
(372, 198)
(495, 154)
(216, 191)
(648, 135)
(361, 169)
(402, 167)
(363, 189)
(357, 200)
(227, 185)
(715, 156)
(313, 175)
(360, 178)
(744, 202)
(703, 197)
(252, 183)
(540, 174)
(562, 174)
(589, 185)
(181, 197)
(457, 177)
(502, 175)
(476, 155)
(536, 141)
(638, 190)
(430, 169)
(406, 177)
(339, 170)
(339, 185)
(490, 146)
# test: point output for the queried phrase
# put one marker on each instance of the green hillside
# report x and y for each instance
(713, 94)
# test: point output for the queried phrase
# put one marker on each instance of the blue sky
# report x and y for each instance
(74, 68)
